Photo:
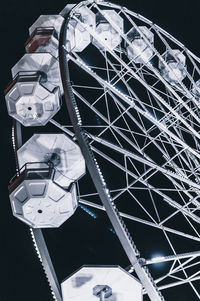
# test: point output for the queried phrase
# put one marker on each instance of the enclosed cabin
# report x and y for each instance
(29, 102)
(37, 200)
(173, 66)
(99, 283)
(43, 194)
(44, 35)
(109, 26)
(139, 43)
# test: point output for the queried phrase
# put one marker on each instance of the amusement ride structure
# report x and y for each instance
(129, 93)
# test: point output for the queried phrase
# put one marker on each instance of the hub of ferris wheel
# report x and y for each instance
(43, 194)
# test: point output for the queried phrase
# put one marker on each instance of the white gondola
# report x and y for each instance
(38, 201)
(138, 50)
(58, 150)
(175, 69)
(105, 31)
(29, 102)
(99, 283)
(77, 37)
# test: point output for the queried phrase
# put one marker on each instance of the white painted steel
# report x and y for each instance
(42, 203)
(80, 285)
(56, 149)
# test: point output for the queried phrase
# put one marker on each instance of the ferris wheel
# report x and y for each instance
(132, 95)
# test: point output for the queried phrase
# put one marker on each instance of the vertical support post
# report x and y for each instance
(38, 235)
(47, 263)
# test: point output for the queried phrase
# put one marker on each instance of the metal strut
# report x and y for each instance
(97, 177)
(36, 234)
(47, 265)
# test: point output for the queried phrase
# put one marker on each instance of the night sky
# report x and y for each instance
(86, 238)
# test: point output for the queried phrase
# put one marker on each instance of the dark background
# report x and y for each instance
(21, 276)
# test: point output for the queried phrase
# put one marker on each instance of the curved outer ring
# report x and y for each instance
(95, 173)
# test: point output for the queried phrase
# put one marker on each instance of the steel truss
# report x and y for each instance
(128, 117)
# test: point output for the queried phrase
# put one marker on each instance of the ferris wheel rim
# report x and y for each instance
(69, 55)
(77, 119)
